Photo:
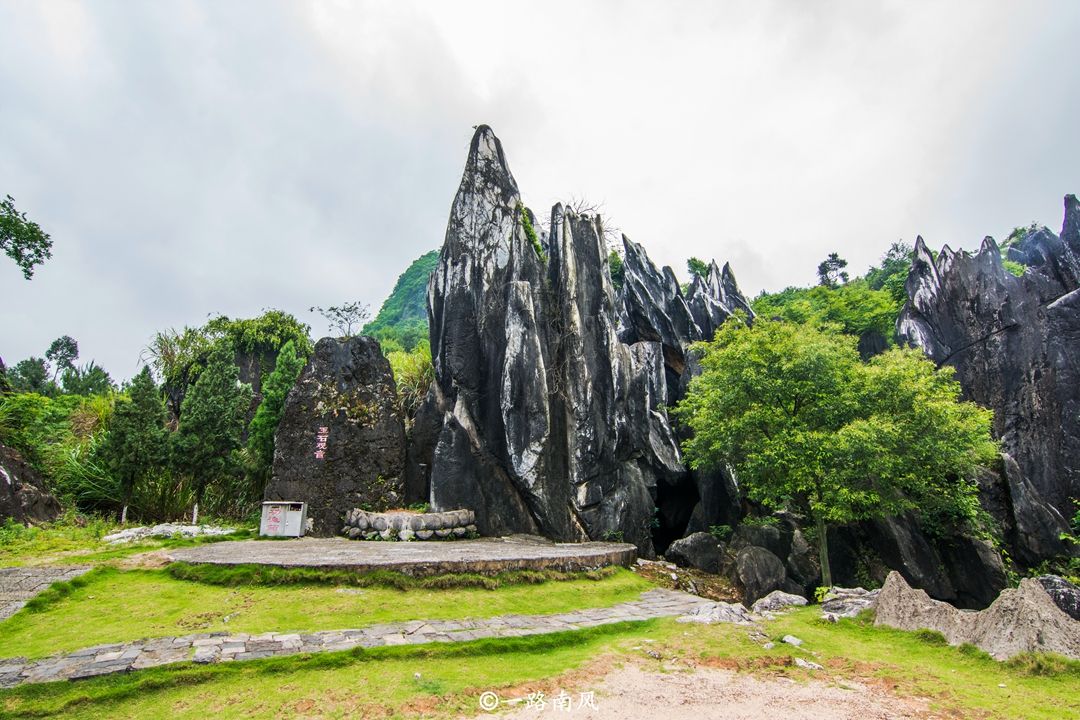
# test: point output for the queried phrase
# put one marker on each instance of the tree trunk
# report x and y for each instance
(823, 551)
(195, 514)
(123, 515)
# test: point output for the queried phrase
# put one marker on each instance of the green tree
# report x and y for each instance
(268, 415)
(413, 375)
(831, 271)
(615, 267)
(136, 444)
(891, 275)
(32, 376)
(853, 308)
(90, 379)
(62, 353)
(809, 427)
(697, 267)
(345, 318)
(403, 315)
(211, 423)
(22, 240)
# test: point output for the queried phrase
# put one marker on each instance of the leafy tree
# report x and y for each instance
(413, 375)
(268, 415)
(62, 353)
(345, 317)
(615, 267)
(136, 445)
(892, 273)
(831, 271)
(263, 334)
(211, 423)
(90, 379)
(697, 267)
(809, 427)
(22, 240)
(853, 308)
(32, 376)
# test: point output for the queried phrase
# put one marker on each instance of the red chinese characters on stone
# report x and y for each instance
(320, 443)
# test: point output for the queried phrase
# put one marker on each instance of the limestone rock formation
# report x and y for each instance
(341, 443)
(1023, 619)
(1015, 344)
(23, 495)
(547, 413)
(759, 572)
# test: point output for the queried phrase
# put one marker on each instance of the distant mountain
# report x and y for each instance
(402, 319)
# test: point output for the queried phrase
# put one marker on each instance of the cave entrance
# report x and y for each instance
(674, 506)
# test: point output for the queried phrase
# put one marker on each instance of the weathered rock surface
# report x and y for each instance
(1064, 594)
(719, 612)
(550, 386)
(165, 530)
(848, 602)
(400, 525)
(23, 495)
(778, 600)
(698, 550)
(1015, 344)
(1024, 619)
(340, 443)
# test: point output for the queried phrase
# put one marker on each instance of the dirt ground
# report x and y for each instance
(634, 693)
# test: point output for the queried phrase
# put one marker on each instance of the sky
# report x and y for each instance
(191, 159)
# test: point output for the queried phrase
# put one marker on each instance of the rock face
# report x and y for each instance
(341, 443)
(547, 414)
(1024, 619)
(23, 496)
(759, 572)
(1015, 344)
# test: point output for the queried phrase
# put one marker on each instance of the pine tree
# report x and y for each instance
(135, 445)
(211, 423)
(268, 415)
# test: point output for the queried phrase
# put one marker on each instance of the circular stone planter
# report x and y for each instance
(449, 525)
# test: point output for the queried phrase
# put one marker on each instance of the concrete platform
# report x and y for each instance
(486, 556)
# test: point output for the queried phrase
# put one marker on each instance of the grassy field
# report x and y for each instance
(70, 542)
(111, 605)
(383, 682)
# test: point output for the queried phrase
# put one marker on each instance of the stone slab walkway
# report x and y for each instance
(19, 584)
(221, 647)
(485, 555)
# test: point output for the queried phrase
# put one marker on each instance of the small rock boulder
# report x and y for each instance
(23, 496)
(759, 572)
(778, 600)
(341, 440)
(848, 602)
(699, 550)
(720, 612)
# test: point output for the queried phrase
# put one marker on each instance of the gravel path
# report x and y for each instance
(19, 584)
(219, 647)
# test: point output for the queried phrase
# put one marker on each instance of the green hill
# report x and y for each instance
(402, 319)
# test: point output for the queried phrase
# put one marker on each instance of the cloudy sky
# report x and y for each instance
(196, 158)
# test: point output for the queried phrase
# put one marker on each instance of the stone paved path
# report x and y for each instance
(220, 647)
(17, 585)
(485, 555)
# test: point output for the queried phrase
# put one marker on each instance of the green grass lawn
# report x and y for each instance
(115, 606)
(66, 542)
(382, 682)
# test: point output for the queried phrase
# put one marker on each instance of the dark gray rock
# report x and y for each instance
(758, 572)
(1064, 594)
(346, 387)
(773, 538)
(802, 562)
(1015, 344)
(699, 550)
(23, 494)
(547, 414)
